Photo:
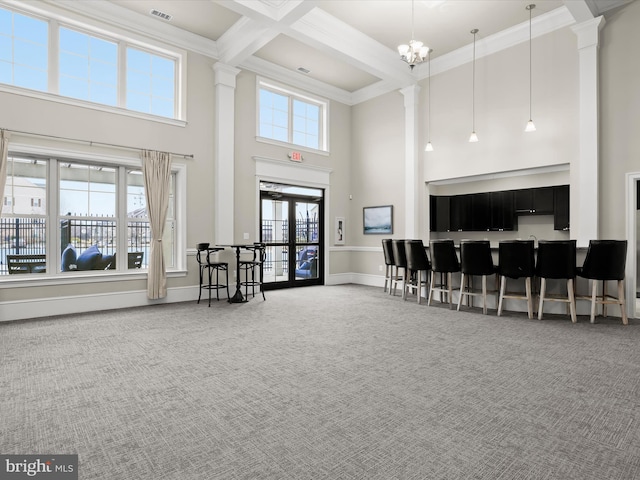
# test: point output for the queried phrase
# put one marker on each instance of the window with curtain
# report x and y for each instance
(80, 215)
(290, 117)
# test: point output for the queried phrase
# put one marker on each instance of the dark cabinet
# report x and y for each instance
(440, 212)
(561, 207)
(481, 212)
(498, 211)
(534, 201)
(502, 211)
(460, 213)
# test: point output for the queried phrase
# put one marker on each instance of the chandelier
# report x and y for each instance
(416, 52)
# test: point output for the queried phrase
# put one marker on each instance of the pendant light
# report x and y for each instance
(429, 147)
(530, 125)
(474, 137)
(416, 52)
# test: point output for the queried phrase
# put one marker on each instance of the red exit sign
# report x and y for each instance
(295, 156)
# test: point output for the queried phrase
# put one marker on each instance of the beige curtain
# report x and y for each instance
(156, 170)
(4, 149)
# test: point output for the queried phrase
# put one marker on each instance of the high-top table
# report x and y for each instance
(237, 296)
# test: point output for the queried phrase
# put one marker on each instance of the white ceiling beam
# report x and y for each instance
(580, 10)
(320, 30)
(243, 39)
(260, 24)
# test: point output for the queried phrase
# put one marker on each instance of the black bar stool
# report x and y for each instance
(390, 265)
(417, 262)
(605, 260)
(205, 262)
(557, 260)
(475, 259)
(400, 258)
(516, 259)
(444, 260)
(250, 265)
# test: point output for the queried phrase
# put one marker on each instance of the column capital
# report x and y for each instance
(410, 94)
(225, 74)
(588, 32)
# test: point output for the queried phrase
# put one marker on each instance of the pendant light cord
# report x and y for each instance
(473, 90)
(429, 100)
(530, 68)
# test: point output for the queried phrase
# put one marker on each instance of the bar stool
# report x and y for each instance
(249, 266)
(557, 260)
(205, 262)
(417, 262)
(605, 261)
(390, 265)
(516, 259)
(475, 259)
(400, 258)
(444, 260)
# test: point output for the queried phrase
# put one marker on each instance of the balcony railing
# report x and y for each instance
(27, 236)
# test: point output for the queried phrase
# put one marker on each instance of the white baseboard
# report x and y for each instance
(45, 307)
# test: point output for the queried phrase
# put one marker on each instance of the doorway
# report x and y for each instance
(292, 220)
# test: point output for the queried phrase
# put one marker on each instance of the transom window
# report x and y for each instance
(290, 117)
(88, 66)
(24, 50)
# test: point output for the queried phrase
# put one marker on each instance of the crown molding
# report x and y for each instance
(296, 79)
(122, 18)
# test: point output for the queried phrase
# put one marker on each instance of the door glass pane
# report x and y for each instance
(307, 238)
(275, 224)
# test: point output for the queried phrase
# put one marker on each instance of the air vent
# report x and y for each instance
(304, 70)
(162, 15)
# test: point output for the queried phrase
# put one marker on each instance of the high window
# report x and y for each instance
(290, 117)
(88, 66)
(79, 223)
(23, 50)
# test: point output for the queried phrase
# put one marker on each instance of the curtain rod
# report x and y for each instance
(91, 142)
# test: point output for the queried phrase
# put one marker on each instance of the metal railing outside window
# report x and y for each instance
(27, 236)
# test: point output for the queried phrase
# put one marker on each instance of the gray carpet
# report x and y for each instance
(336, 382)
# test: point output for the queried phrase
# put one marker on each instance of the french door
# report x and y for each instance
(292, 220)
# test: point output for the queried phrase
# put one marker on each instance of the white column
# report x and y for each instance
(224, 153)
(412, 170)
(584, 174)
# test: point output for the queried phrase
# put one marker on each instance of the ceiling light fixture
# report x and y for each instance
(473, 138)
(416, 52)
(429, 147)
(530, 125)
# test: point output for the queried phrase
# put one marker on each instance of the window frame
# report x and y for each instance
(57, 18)
(54, 275)
(295, 94)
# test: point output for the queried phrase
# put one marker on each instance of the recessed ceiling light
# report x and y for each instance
(303, 70)
(162, 15)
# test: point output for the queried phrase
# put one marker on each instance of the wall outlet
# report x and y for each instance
(379, 268)
(245, 236)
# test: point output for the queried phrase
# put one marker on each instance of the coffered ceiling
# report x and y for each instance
(348, 47)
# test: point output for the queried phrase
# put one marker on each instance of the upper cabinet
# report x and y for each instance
(502, 212)
(534, 201)
(498, 211)
(561, 207)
